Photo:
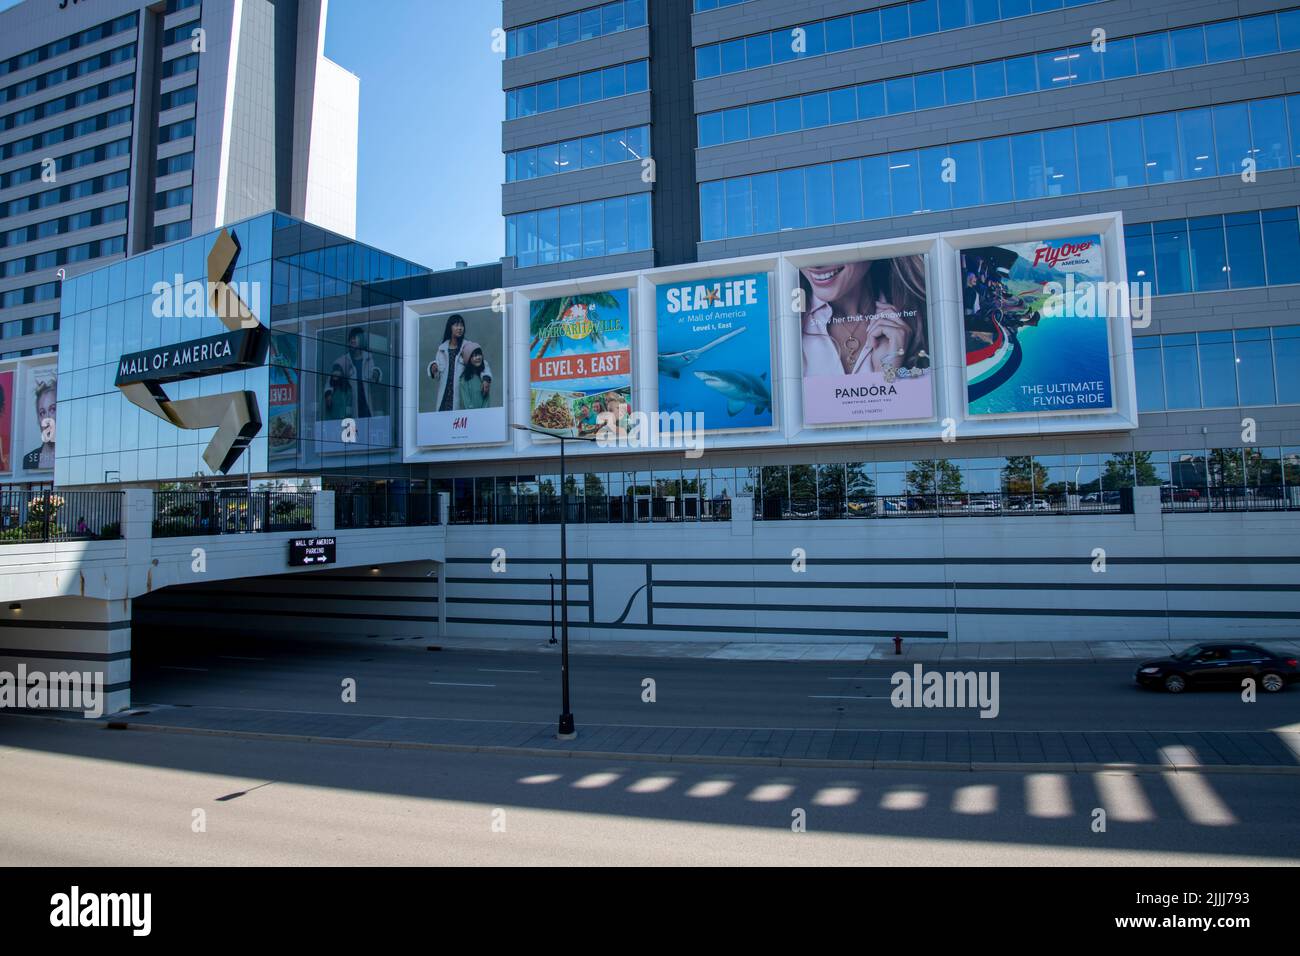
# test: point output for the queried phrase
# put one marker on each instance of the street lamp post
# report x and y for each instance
(566, 730)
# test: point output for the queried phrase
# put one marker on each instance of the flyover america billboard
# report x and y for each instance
(866, 337)
(1036, 329)
(715, 351)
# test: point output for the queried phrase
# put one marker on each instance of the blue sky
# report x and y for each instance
(429, 183)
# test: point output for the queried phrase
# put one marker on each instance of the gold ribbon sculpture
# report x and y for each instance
(142, 375)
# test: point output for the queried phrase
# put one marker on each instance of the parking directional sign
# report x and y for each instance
(309, 552)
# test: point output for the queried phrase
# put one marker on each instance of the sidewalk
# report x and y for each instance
(913, 650)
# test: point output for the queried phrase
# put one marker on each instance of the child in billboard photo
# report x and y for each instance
(866, 316)
(475, 387)
(42, 458)
(448, 368)
(355, 369)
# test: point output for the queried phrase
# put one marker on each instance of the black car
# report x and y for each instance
(1219, 665)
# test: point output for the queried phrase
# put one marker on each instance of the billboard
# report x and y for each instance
(37, 414)
(6, 421)
(715, 351)
(1036, 330)
(580, 362)
(283, 398)
(461, 397)
(866, 337)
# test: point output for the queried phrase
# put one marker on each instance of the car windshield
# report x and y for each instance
(1189, 653)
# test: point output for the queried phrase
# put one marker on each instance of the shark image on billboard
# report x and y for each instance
(715, 351)
(1036, 329)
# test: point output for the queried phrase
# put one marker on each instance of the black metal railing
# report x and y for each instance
(973, 504)
(183, 513)
(1230, 498)
(386, 509)
(34, 517)
(596, 509)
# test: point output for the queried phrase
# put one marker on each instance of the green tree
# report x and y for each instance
(1021, 475)
(547, 313)
(930, 477)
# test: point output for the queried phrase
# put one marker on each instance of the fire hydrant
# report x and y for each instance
(898, 645)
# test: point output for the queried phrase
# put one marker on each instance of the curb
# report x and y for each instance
(963, 766)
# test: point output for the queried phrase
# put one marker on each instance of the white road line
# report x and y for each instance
(447, 683)
(498, 670)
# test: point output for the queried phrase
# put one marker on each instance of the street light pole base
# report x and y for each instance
(566, 731)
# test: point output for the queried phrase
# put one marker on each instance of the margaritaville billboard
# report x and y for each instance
(580, 363)
(715, 351)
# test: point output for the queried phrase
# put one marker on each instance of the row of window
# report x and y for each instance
(179, 97)
(1144, 150)
(1236, 250)
(179, 65)
(83, 252)
(181, 162)
(69, 161)
(57, 227)
(174, 5)
(91, 64)
(174, 131)
(702, 5)
(1250, 466)
(44, 292)
(15, 328)
(171, 232)
(21, 353)
(177, 34)
(181, 196)
(918, 18)
(575, 27)
(1149, 53)
(586, 87)
(62, 194)
(59, 47)
(84, 97)
(61, 134)
(588, 152)
(608, 227)
(1225, 369)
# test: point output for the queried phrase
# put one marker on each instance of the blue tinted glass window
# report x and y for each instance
(871, 100)
(820, 195)
(613, 17)
(866, 28)
(593, 229)
(613, 81)
(1128, 161)
(527, 42)
(904, 183)
(1022, 75)
(935, 192)
(735, 124)
(766, 205)
(899, 96)
(1015, 8)
(1268, 134)
(589, 87)
(1085, 64)
(959, 85)
(893, 23)
(1196, 135)
(713, 212)
(929, 90)
(615, 226)
(1120, 59)
(1173, 275)
(634, 10)
(570, 29)
(548, 34)
(710, 129)
(593, 152)
(1254, 360)
(1282, 245)
(591, 23)
(1293, 114)
(844, 105)
(848, 191)
(1231, 136)
(1286, 357)
(875, 187)
(1259, 35)
(1027, 165)
(995, 169)
(924, 16)
(990, 80)
(953, 14)
(708, 61)
(839, 34)
(1245, 249)
(1223, 41)
(1182, 372)
(984, 11)
(1209, 260)
(783, 45)
(966, 169)
(547, 97)
(548, 159)
(762, 119)
(638, 222)
(548, 236)
(790, 190)
(1288, 29)
(571, 155)
(1054, 69)
(740, 212)
(1189, 46)
(1218, 369)
(569, 95)
(1140, 253)
(1152, 52)
(789, 115)
(733, 56)
(1094, 157)
(1149, 375)
(1160, 136)
(615, 148)
(1062, 169)
(816, 110)
(758, 50)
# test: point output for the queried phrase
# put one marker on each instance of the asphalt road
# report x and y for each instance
(78, 794)
(408, 681)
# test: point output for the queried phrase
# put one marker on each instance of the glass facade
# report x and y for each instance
(607, 227)
(581, 88)
(1212, 253)
(1138, 151)
(575, 27)
(333, 356)
(571, 155)
(994, 79)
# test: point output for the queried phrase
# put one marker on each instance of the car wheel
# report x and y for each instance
(1272, 683)
(1175, 683)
